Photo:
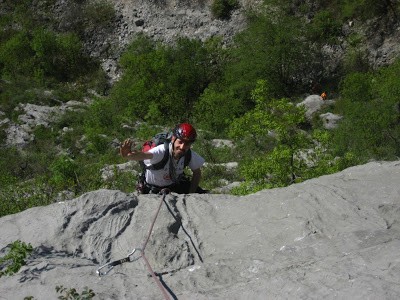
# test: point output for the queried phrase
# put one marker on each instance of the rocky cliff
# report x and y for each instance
(333, 237)
(167, 20)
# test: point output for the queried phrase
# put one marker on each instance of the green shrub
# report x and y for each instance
(291, 154)
(99, 13)
(73, 294)
(102, 117)
(18, 196)
(367, 9)
(211, 154)
(9, 164)
(370, 127)
(357, 87)
(222, 9)
(213, 174)
(44, 56)
(59, 56)
(355, 40)
(325, 27)
(270, 49)
(15, 258)
(355, 60)
(216, 108)
(125, 182)
(161, 81)
(64, 172)
(97, 144)
(16, 56)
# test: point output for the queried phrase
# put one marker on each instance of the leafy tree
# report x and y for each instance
(272, 48)
(325, 28)
(45, 54)
(58, 56)
(161, 83)
(295, 155)
(216, 108)
(277, 118)
(358, 87)
(370, 106)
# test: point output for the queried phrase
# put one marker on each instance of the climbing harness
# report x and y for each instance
(105, 269)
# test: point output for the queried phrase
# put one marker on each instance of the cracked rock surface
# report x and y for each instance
(333, 237)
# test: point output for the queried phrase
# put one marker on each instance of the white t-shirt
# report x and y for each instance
(161, 177)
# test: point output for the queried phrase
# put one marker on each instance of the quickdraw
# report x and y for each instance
(105, 269)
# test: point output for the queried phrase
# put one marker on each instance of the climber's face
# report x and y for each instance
(180, 147)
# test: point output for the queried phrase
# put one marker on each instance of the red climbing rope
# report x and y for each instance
(164, 192)
(103, 270)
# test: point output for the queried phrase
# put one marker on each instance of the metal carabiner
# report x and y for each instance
(109, 266)
(130, 255)
(105, 272)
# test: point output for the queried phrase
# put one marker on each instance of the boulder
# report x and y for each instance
(330, 120)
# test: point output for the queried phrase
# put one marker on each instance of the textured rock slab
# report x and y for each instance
(333, 237)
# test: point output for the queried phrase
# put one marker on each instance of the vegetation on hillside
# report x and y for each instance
(247, 92)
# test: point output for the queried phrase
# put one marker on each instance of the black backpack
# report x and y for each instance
(159, 139)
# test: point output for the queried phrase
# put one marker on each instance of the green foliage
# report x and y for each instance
(222, 9)
(16, 55)
(47, 55)
(369, 104)
(355, 40)
(64, 172)
(25, 13)
(325, 28)
(73, 294)
(366, 9)
(101, 117)
(279, 116)
(9, 164)
(83, 17)
(58, 56)
(208, 84)
(97, 144)
(98, 13)
(216, 108)
(270, 49)
(15, 258)
(160, 83)
(357, 87)
(294, 155)
(122, 181)
(18, 196)
(215, 175)
(33, 62)
(355, 60)
(387, 84)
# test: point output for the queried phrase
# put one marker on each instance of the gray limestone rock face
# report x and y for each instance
(332, 237)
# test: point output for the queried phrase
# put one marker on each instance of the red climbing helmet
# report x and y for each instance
(185, 131)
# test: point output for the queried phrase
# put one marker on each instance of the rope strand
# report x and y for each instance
(164, 192)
